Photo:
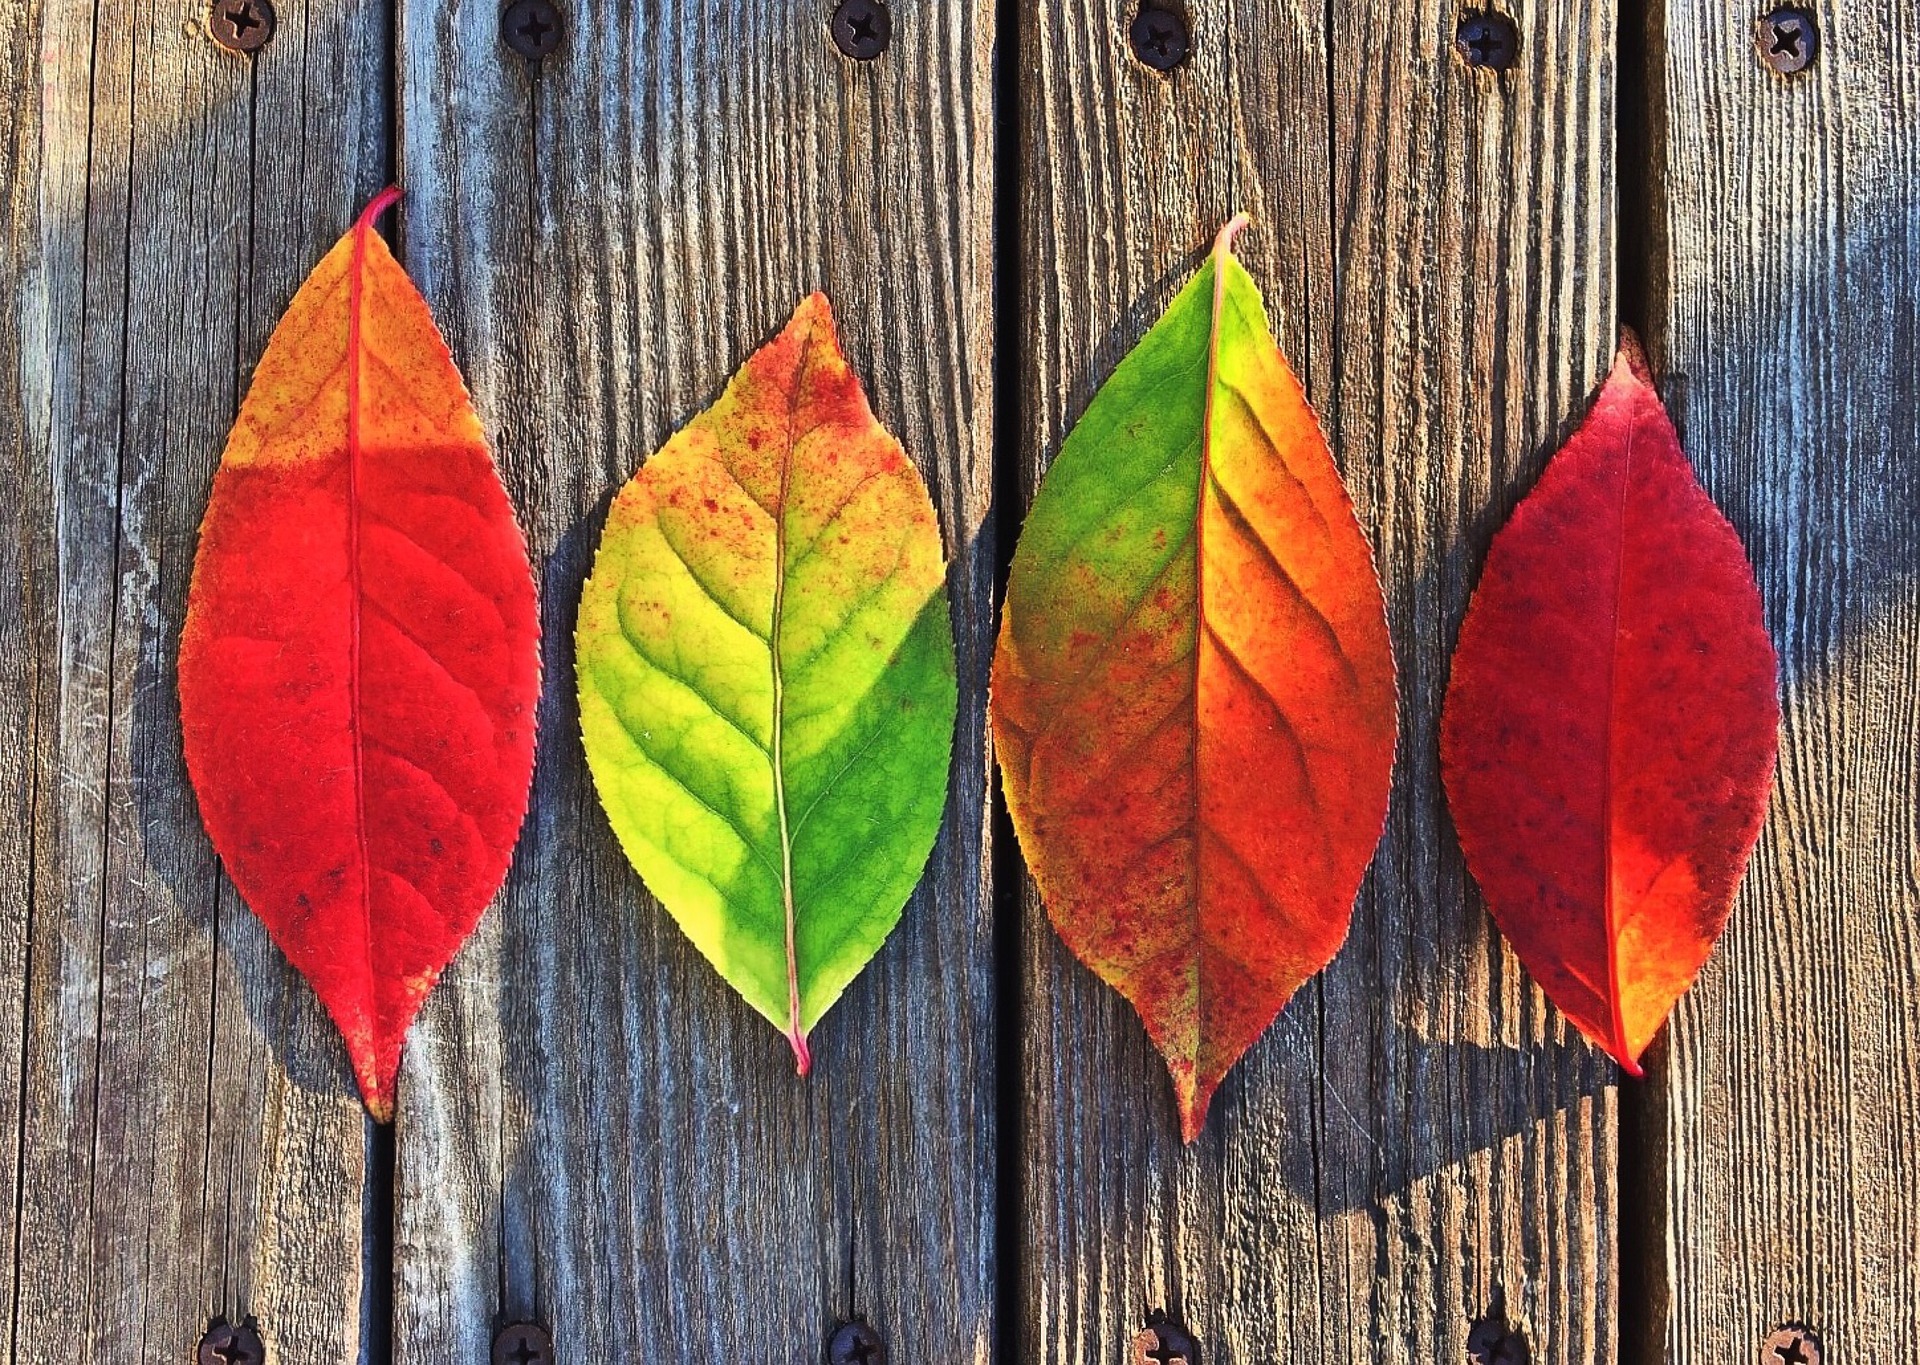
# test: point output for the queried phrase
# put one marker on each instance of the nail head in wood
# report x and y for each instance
(856, 1343)
(532, 28)
(225, 1344)
(1163, 1342)
(522, 1343)
(241, 25)
(1487, 40)
(1788, 39)
(1794, 1343)
(1160, 37)
(862, 29)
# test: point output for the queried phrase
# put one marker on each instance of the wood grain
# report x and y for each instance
(594, 1130)
(1787, 1132)
(1418, 1141)
(183, 1131)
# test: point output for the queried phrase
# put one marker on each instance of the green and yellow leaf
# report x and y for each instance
(766, 677)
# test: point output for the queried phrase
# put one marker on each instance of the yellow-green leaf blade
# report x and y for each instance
(766, 677)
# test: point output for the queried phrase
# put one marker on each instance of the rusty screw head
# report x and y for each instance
(1160, 37)
(1793, 1344)
(1163, 1342)
(241, 25)
(1788, 40)
(522, 1343)
(532, 28)
(1488, 40)
(855, 1343)
(225, 1344)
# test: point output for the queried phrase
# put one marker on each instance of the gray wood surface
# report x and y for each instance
(594, 1130)
(181, 1128)
(1786, 1147)
(1417, 1141)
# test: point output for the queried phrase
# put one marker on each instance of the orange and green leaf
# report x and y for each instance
(1193, 694)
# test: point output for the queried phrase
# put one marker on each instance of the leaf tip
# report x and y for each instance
(1193, 1119)
(1195, 1095)
(816, 310)
(1632, 357)
(379, 1104)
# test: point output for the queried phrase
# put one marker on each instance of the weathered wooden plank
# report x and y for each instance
(19, 182)
(188, 1140)
(1418, 1140)
(1784, 312)
(593, 1130)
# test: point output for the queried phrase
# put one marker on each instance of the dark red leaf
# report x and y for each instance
(1609, 732)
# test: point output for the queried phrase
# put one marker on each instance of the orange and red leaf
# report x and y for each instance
(359, 666)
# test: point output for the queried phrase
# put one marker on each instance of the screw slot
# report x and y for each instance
(862, 29)
(532, 28)
(1794, 1343)
(1788, 40)
(225, 1344)
(856, 1343)
(1160, 37)
(1487, 40)
(241, 25)
(522, 1343)
(1164, 1342)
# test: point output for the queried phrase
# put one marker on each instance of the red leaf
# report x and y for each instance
(1610, 728)
(360, 662)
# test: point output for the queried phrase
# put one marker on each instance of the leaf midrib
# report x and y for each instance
(1615, 1007)
(356, 292)
(796, 1035)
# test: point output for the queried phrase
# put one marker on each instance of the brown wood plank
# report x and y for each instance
(188, 1140)
(1787, 1132)
(1418, 1138)
(594, 1130)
